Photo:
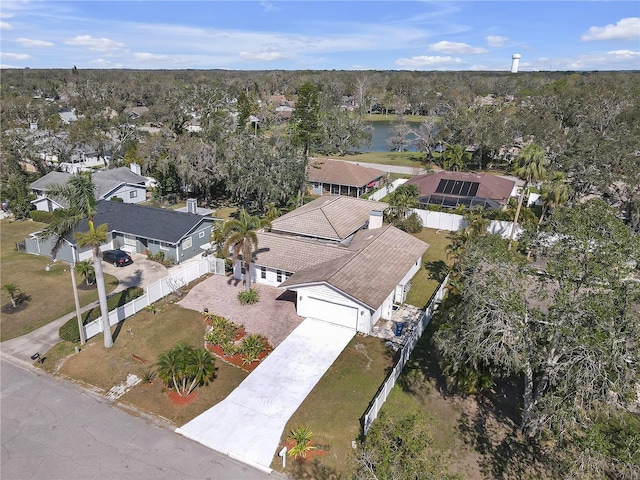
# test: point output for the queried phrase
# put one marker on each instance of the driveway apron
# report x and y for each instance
(248, 424)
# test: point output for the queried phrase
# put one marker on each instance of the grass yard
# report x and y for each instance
(435, 267)
(145, 335)
(50, 294)
(400, 159)
(334, 407)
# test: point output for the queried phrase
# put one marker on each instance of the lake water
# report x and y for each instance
(381, 133)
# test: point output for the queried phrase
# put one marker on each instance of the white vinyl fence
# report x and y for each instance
(384, 191)
(383, 392)
(177, 278)
(452, 222)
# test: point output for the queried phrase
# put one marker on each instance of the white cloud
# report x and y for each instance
(496, 40)
(99, 44)
(455, 48)
(5, 26)
(145, 56)
(625, 29)
(267, 56)
(102, 63)
(29, 42)
(429, 61)
(613, 60)
(15, 56)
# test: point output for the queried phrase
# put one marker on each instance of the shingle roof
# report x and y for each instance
(491, 186)
(105, 181)
(337, 172)
(292, 254)
(379, 259)
(148, 222)
(328, 217)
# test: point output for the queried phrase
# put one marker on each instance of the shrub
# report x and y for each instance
(222, 331)
(115, 198)
(411, 224)
(301, 436)
(69, 331)
(251, 347)
(42, 217)
(248, 298)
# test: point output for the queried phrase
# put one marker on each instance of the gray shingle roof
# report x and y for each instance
(329, 217)
(51, 178)
(148, 222)
(379, 259)
(337, 172)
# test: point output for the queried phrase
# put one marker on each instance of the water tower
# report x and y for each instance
(515, 60)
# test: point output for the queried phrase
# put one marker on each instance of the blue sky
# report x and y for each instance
(320, 35)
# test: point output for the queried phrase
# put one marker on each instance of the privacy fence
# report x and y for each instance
(178, 277)
(411, 341)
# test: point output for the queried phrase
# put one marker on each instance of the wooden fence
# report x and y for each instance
(412, 340)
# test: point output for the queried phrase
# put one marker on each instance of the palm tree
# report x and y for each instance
(554, 193)
(79, 194)
(185, 367)
(531, 165)
(87, 270)
(202, 367)
(403, 199)
(12, 289)
(455, 157)
(241, 237)
(170, 368)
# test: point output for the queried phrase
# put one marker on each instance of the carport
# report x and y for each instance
(248, 424)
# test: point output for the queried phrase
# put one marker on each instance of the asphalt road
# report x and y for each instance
(53, 429)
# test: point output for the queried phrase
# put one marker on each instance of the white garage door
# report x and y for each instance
(343, 315)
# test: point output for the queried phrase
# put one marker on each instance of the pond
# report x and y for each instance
(381, 132)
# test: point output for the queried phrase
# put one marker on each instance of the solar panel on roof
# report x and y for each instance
(441, 185)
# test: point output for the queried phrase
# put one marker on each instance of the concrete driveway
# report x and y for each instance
(141, 273)
(248, 424)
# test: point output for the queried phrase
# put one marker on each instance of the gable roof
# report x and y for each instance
(490, 187)
(378, 260)
(148, 222)
(331, 217)
(337, 172)
(105, 181)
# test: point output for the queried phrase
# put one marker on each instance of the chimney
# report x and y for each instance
(192, 205)
(135, 168)
(375, 219)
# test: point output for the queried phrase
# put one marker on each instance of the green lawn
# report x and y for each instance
(50, 294)
(435, 267)
(400, 159)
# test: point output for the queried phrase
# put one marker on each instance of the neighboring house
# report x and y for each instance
(118, 182)
(136, 229)
(450, 189)
(345, 266)
(136, 112)
(335, 177)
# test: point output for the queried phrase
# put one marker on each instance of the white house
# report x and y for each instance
(345, 266)
(118, 182)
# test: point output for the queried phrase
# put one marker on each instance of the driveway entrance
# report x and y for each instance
(248, 424)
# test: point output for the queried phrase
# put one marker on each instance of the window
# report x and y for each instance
(201, 234)
(187, 243)
(243, 270)
(165, 246)
(263, 272)
(279, 275)
(133, 194)
(129, 239)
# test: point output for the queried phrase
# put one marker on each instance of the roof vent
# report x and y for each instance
(375, 219)
(192, 205)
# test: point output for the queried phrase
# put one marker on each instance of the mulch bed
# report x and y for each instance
(179, 400)
(318, 451)
(10, 309)
(237, 360)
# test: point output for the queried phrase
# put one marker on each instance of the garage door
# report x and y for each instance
(343, 315)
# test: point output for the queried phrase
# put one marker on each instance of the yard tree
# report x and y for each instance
(343, 131)
(400, 448)
(531, 164)
(305, 119)
(242, 239)
(570, 334)
(79, 196)
(554, 193)
(185, 367)
(13, 290)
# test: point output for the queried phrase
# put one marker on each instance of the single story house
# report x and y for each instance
(120, 182)
(136, 229)
(450, 189)
(335, 177)
(345, 266)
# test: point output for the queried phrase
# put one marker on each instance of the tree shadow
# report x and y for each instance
(504, 452)
(313, 469)
(437, 270)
